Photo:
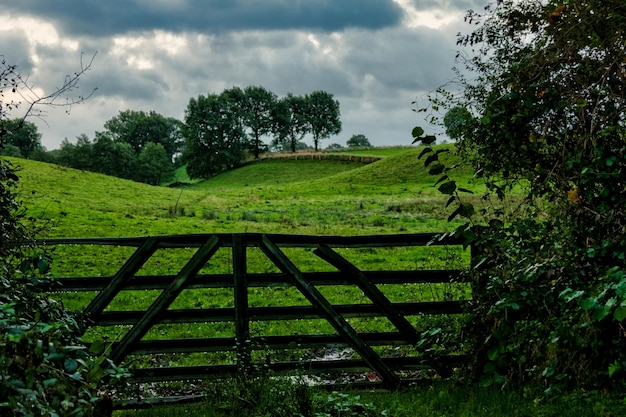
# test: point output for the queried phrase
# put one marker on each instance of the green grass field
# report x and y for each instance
(321, 197)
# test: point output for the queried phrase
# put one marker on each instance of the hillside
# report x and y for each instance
(394, 194)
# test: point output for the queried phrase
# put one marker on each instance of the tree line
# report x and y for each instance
(218, 132)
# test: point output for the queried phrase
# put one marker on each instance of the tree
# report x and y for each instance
(116, 159)
(359, 140)
(323, 116)
(258, 113)
(137, 128)
(291, 119)
(542, 112)
(204, 132)
(21, 134)
(154, 164)
(233, 104)
(79, 155)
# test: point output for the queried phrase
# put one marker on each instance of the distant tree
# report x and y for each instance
(358, 140)
(43, 155)
(22, 134)
(113, 158)
(204, 131)
(154, 165)
(456, 120)
(137, 128)
(334, 146)
(280, 119)
(258, 109)
(294, 116)
(11, 150)
(323, 116)
(233, 123)
(79, 155)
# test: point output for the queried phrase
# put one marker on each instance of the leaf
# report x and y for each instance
(465, 190)
(425, 151)
(97, 347)
(436, 169)
(493, 353)
(70, 365)
(466, 210)
(454, 214)
(614, 368)
(447, 188)
(601, 312)
(440, 180)
(588, 303)
(430, 159)
(450, 201)
(417, 132)
(620, 313)
(429, 140)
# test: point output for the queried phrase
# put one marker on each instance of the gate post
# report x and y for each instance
(242, 316)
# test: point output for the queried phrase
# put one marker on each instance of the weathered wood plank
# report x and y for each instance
(369, 289)
(159, 282)
(130, 268)
(390, 379)
(242, 317)
(254, 239)
(118, 318)
(144, 375)
(228, 344)
(199, 259)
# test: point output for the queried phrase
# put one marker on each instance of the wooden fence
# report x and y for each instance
(246, 350)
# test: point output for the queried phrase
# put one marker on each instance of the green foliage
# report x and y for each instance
(323, 116)
(359, 140)
(21, 134)
(46, 369)
(138, 128)
(543, 114)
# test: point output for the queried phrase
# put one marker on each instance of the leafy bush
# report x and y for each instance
(543, 117)
(46, 369)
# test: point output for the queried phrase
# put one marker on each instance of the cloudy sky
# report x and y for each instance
(375, 56)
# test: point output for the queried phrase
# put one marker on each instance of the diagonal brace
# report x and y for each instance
(126, 272)
(390, 379)
(374, 294)
(163, 301)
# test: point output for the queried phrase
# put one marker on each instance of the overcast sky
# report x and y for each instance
(375, 56)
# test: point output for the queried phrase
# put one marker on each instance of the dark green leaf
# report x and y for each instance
(465, 190)
(425, 151)
(466, 210)
(436, 169)
(417, 132)
(70, 365)
(429, 140)
(493, 353)
(443, 178)
(450, 200)
(454, 214)
(447, 188)
(430, 159)
(97, 347)
(620, 313)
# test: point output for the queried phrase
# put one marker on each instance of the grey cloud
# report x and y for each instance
(16, 51)
(110, 17)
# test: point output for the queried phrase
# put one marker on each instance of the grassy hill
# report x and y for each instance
(392, 195)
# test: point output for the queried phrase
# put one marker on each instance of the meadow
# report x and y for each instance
(314, 197)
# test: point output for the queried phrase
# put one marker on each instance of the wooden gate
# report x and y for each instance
(372, 353)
